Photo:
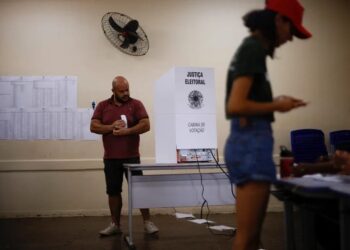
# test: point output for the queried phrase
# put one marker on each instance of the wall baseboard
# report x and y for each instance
(33, 165)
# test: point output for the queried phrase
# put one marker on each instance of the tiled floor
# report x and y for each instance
(78, 233)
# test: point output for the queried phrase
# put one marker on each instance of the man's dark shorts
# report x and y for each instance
(114, 171)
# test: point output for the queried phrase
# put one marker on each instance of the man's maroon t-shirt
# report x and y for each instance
(120, 147)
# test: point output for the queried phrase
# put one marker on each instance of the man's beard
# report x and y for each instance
(121, 100)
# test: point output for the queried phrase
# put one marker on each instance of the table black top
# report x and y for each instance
(309, 186)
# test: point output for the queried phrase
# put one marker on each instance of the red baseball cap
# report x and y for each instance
(293, 10)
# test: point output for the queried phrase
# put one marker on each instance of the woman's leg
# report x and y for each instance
(251, 203)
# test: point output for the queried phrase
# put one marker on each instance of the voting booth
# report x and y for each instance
(185, 116)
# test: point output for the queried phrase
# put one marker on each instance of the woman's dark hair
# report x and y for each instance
(263, 21)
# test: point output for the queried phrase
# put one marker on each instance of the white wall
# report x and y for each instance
(65, 38)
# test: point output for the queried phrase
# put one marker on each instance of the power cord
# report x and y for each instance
(205, 202)
(218, 165)
(222, 170)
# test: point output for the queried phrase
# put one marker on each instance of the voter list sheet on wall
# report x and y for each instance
(42, 108)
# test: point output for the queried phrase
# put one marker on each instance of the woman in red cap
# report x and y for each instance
(250, 106)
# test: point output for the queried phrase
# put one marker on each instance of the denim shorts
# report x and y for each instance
(248, 152)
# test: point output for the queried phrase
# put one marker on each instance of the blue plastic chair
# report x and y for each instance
(308, 145)
(339, 140)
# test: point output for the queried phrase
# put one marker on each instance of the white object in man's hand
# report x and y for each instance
(123, 117)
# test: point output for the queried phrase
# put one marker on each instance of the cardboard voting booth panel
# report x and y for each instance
(185, 113)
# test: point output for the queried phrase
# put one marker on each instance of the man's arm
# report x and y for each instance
(327, 167)
(342, 159)
(340, 163)
(97, 127)
(141, 127)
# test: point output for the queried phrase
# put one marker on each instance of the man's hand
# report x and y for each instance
(298, 170)
(120, 131)
(321, 167)
(118, 124)
(141, 127)
(342, 161)
(119, 128)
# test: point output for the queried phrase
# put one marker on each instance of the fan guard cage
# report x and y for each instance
(142, 44)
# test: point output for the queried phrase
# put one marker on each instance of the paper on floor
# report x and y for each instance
(201, 221)
(183, 215)
(222, 228)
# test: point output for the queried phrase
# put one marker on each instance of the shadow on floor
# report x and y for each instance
(75, 233)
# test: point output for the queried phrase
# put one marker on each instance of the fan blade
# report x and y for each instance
(125, 43)
(114, 25)
(130, 29)
(133, 37)
(131, 26)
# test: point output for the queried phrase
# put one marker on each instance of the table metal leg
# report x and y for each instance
(289, 225)
(307, 228)
(344, 221)
(128, 238)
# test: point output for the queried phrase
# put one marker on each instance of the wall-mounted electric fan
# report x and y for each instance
(125, 33)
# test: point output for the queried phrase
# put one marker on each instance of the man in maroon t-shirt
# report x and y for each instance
(120, 119)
